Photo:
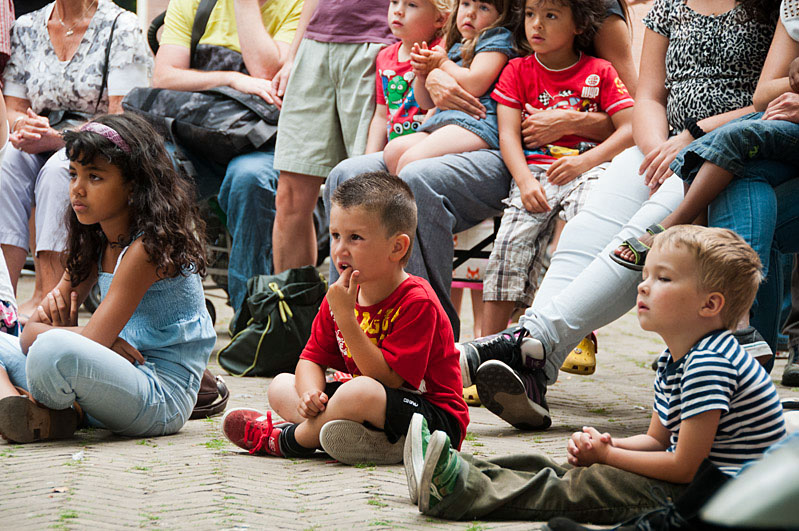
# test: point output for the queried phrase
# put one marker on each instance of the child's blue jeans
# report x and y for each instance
(63, 367)
(737, 144)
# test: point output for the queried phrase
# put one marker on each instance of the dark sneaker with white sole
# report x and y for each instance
(753, 343)
(517, 397)
(790, 376)
(513, 347)
(352, 443)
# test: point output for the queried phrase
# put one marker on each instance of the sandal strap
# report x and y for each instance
(655, 228)
(638, 249)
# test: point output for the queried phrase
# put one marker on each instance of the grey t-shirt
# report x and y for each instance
(350, 22)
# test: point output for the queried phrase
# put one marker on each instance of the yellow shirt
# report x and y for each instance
(280, 18)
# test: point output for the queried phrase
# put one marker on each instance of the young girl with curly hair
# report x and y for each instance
(135, 367)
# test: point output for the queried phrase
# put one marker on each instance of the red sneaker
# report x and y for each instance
(251, 430)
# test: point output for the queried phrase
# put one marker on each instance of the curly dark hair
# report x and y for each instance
(763, 11)
(588, 16)
(509, 17)
(162, 202)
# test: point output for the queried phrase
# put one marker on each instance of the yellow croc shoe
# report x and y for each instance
(582, 360)
(471, 397)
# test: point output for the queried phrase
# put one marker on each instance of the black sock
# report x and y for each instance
(289, 445)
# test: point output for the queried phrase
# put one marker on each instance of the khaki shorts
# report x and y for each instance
(329, 101)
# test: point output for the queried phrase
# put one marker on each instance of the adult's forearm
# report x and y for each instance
(169, 77)
(650, 127)
(594, 125)
(261, 54)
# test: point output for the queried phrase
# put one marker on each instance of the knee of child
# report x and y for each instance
(281, 389)
(392, 155)
(48, 348)
(359, 391)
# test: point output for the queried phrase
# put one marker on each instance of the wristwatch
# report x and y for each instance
(693, 127)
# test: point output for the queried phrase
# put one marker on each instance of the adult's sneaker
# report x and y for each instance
(517, 397)
(352, 443)
(252, 430)
(790, 376)
(512, 346)
(753, 343)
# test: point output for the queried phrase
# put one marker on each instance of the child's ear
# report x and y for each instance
(441, 19)
(713, 305)
(401, 244)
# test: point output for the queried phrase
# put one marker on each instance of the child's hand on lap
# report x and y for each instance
(533, 197)
(312, 403)
(566, 169)
(127, 351)
(342, 295)
(588, 447)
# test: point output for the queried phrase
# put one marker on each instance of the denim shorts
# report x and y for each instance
(486, 128)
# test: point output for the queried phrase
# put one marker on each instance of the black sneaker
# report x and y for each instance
(753, 343)
(790, 376)
(517, 397)
(512, 346)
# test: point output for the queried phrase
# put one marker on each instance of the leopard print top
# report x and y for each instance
(712, 62)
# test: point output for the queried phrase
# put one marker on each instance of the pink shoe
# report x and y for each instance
(251, 430)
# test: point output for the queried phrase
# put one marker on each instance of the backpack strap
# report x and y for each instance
(198, 28)
(107, 63)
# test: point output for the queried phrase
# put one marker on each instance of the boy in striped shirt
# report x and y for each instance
(712, 400)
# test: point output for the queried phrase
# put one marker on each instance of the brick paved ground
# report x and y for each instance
(196, 480)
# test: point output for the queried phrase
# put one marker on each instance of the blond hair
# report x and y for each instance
(725, 264)
(443, 8)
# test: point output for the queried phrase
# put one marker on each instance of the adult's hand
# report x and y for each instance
(655, 167)
(793, 74)
(253, 85)
(279, 82)
(784, 107)
(59, 309)
(448, 95)
(33, 134)
(544, 126)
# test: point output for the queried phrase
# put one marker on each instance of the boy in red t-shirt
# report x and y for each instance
(551, 179)
(378, 323)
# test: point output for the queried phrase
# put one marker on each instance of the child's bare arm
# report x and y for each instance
(510, 144)
(309, 382)
(696, 438)
(569, 168)
(480, 75)
(367, 356)
(376, 140)
(773, 80)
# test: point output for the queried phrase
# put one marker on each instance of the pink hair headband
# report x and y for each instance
(107, 132)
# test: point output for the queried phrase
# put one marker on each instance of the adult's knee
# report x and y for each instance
(246, 175)
(297, 195)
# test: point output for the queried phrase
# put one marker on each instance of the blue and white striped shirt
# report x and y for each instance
(717, 373)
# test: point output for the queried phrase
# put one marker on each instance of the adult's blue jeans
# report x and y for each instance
(764, 211)
(246, 194)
